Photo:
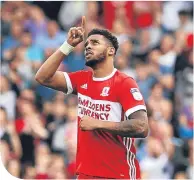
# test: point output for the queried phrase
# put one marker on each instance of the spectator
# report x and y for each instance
(5, 22)
(14, 168)
(9, 135)
(42, 161)
(170, 19)
(110, 16)
(66, 11)
(71, 127)
(126, 49)
(143, 14)
(58, 168)
(156, 160)
(92, 12)
(173, 146)
(33, 53)
(37, 22)
(120, 30)
(30, 121)
(60, 97)
(75, 61)
(57, 127)
(71, 141)
(186, 23)
(161, 107)
(156, 30)
(180, 175)
(142, 49)
(71, 101)
(144, 79)
(5, 152)
(168, 54)
(51, 39)
(184, 81)
(23, 67)
(12, 41)
(20, 12)
(7, 97)
(29, 172)
(162, 73)
(121, 63)
(30, 128)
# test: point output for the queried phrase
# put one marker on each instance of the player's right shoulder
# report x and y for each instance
(75, 79)
(79, 76)
(85, 72)
(81, 73)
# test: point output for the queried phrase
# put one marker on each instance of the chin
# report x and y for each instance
(89, 59)
(91, 62)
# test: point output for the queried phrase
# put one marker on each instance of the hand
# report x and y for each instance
(88, 123)
(76, 34)
(11, 128)
(27, 129)
(51, 126)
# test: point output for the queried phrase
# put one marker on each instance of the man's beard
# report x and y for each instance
(93, 62)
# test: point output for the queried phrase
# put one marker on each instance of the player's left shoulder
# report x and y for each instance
(127, 83)
(123, 78)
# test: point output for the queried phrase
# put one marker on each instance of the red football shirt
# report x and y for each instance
(100, 153)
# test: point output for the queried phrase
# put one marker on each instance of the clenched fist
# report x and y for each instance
(76, 34)
(88, 123)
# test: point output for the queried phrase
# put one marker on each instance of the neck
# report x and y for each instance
(103, 69)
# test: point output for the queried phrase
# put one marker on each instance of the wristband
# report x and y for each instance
(66, 48)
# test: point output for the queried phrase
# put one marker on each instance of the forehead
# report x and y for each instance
(96, 37)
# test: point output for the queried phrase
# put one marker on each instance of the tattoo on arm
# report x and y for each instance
(136, 126)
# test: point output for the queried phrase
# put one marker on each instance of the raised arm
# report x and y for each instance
(136, 126)
(48, 75)
(15, 141)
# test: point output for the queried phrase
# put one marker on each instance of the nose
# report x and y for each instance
(88, 47)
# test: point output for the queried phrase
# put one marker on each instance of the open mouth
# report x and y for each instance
(89, 53)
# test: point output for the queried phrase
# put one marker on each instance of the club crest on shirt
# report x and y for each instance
(136, 94)
(105, 91)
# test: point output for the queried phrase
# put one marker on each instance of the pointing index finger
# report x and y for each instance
(83, 25)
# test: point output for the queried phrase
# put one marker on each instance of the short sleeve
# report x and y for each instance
(72, 80)
(130, 97)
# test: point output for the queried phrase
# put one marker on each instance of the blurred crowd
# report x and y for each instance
(38, 127)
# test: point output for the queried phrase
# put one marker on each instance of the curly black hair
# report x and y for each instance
(108, 35)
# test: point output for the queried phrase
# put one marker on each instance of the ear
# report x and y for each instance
(111, 51)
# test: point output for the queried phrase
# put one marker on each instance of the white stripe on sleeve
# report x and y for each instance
(69, 85)
(134, 109)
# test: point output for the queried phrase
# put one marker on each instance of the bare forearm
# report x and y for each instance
(167, 81)
(17, 148)
(136, 125)
(40, 131)
(48, 75)
(134, 128)
(50, 66)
